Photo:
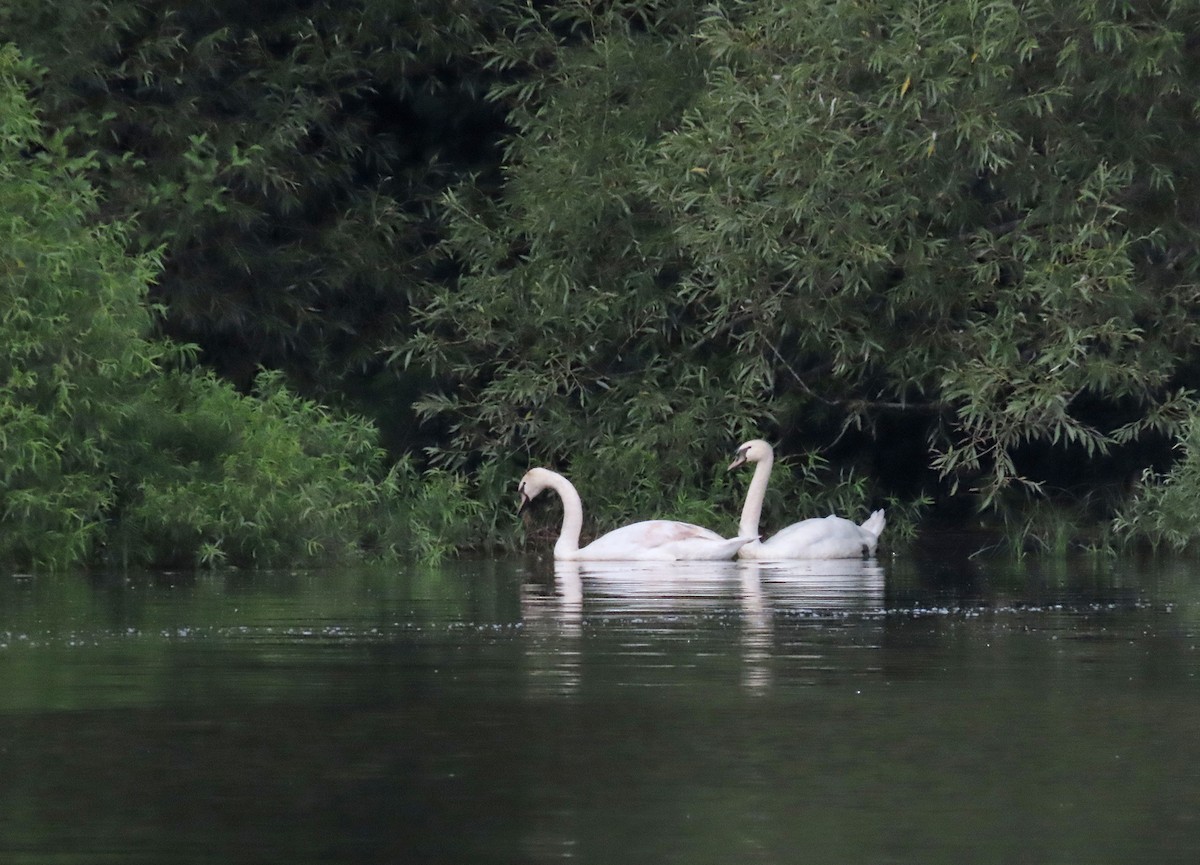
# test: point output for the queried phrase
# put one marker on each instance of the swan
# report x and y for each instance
(817, 538)
(655, 540)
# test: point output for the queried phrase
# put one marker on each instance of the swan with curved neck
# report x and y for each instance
(818, 538)
(657, 540)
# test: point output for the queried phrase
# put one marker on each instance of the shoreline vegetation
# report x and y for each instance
(318, 282)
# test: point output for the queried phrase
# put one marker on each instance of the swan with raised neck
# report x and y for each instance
(829, 537)
(656, 540)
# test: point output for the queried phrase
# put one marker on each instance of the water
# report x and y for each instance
(514, 712)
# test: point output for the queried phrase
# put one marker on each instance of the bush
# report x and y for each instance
(115, 449)
(213, 477)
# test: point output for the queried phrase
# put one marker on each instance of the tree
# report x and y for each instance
(565, 338)
(282, 157)
(71, 346)
(115, 448)
(828, 221)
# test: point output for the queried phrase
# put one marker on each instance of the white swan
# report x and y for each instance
(658, 540)
(818, 538)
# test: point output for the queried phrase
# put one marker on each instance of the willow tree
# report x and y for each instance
(565, 336)
(956, 235)
(975, 211)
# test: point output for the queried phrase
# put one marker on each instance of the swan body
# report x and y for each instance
(648, 540)
(817, 538)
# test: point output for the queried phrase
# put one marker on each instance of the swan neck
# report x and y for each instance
(752, 510)
(572, 523)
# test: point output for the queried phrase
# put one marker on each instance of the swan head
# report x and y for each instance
(534, 481)
(752, 451)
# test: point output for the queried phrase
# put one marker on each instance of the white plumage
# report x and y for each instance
(817, 538)
(657, 540)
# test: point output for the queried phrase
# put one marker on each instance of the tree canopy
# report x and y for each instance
(951, 242)
(284, 157)
(117, 450)
(941, 253)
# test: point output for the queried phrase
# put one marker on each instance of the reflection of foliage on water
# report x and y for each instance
(368, 716)
(54, 630)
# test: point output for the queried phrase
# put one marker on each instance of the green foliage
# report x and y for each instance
(564, 337)
(940, 212)
(820, 220)
(1165, 509)
(432, 514)
(115, 448)
(217, 478)
(948, 246)
(72, 315)
(283, 157)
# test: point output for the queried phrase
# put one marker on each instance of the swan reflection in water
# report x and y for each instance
(612, 588)
(629, 619)
(830, 585)
(552, 618)
(651, 595)
(809, 589)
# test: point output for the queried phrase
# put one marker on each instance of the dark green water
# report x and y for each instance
(500, 712)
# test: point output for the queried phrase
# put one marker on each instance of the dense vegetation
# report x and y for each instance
(116, 447)
(943, 254)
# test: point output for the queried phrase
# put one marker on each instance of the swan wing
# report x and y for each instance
(818, 538)
(658, 539)
(819, 528)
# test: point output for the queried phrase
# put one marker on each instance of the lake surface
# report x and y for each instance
(900, 711)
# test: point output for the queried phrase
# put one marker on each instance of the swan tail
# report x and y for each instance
(874, 525)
